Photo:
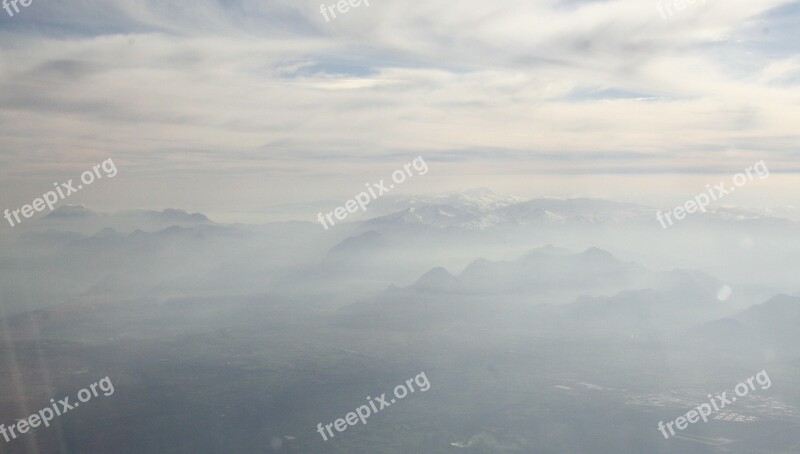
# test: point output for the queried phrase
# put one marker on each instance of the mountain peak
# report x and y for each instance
(364, 242)
(175, 214)
(780, 306)
(71, 211)
(437, 279)
(549, 250)
(107, 232)
(777, 310)
(596, 253)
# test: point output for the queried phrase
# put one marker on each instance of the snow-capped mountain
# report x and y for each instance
(483, 209)
(79, 218)
(486, 211)
(472, 203)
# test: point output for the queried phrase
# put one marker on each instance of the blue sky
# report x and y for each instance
(231, 106)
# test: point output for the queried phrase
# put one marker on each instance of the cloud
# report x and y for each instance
(254, 86)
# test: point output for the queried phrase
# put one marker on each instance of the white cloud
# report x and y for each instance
(161, 86)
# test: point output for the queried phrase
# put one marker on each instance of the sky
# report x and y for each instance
(233, 107)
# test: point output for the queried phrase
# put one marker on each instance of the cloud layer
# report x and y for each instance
(246, 89)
